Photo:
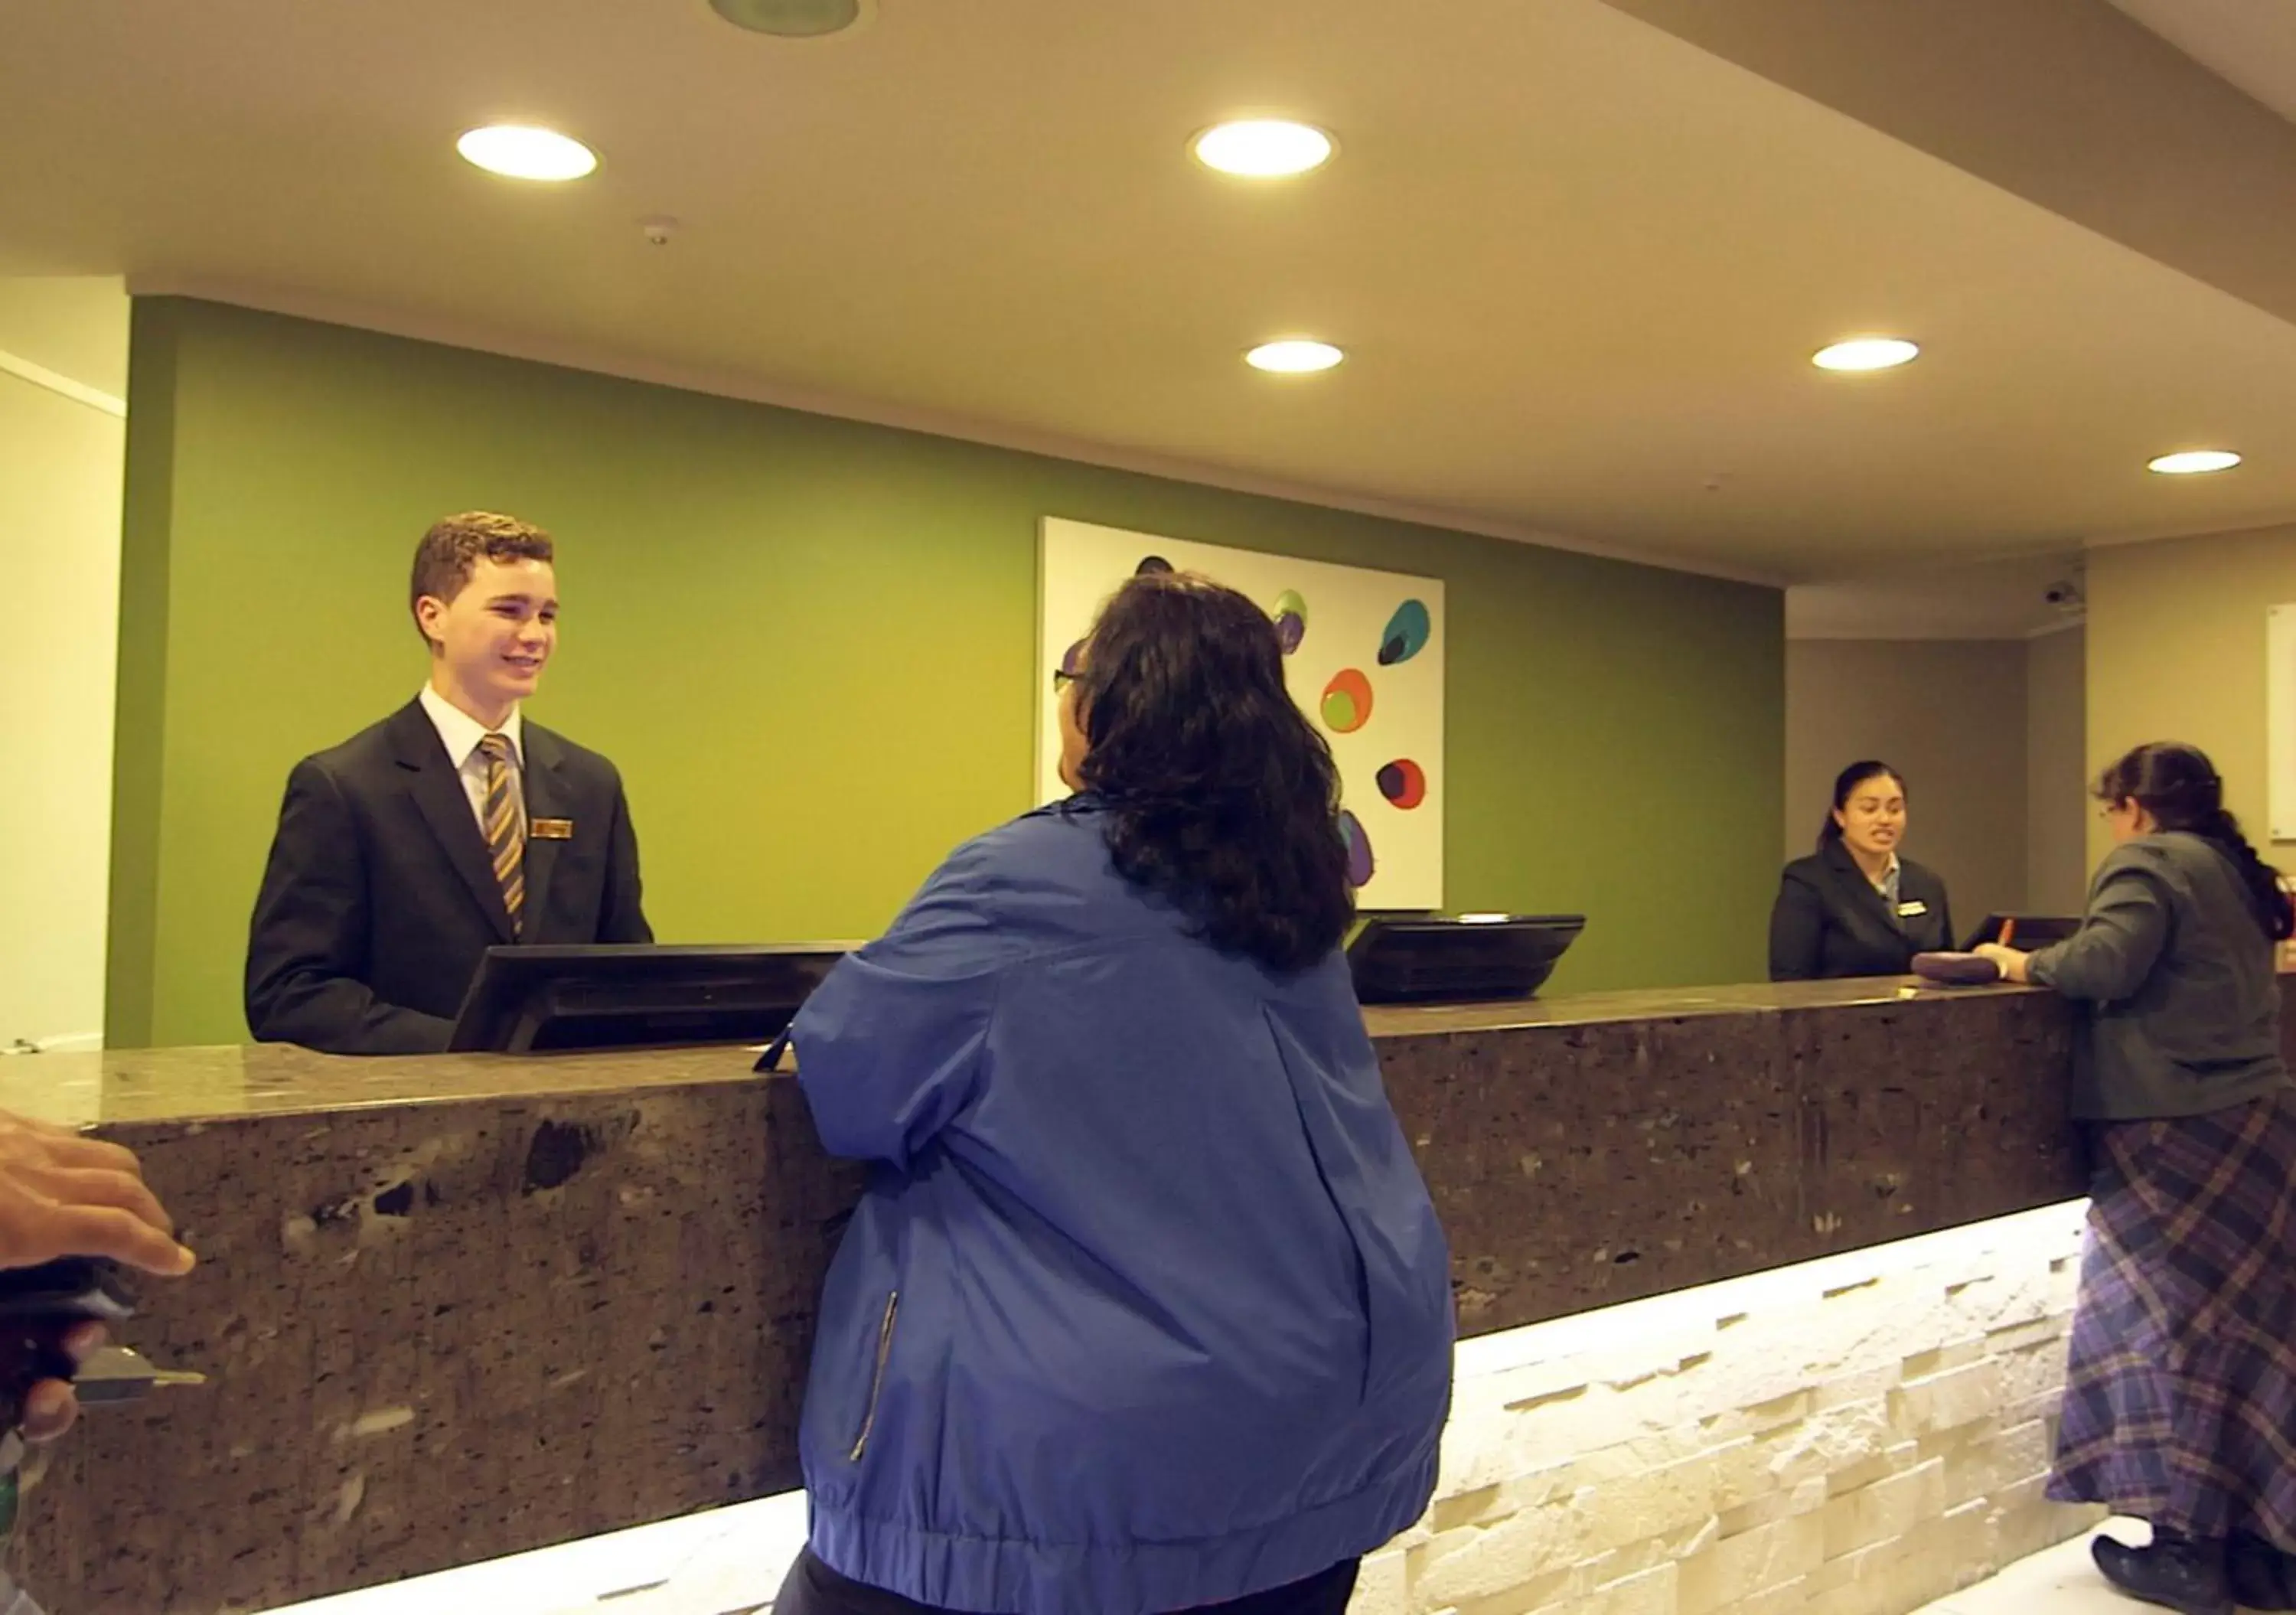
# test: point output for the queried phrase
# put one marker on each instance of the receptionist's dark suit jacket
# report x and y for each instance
(379, 899)
(1830, 922)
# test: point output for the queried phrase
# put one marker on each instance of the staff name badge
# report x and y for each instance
(551, 830)
(1913, 910)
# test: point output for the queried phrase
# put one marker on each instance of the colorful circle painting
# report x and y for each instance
(1290, 620)
(1347, 702)
(1361, 866)
(1151, 566)
(1406, 633)
(1403, 782)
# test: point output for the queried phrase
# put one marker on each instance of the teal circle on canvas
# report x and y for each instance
(1406, 633)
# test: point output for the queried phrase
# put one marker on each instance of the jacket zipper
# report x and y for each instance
(877, 1379)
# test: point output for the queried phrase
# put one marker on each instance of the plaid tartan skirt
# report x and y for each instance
(2180, 1399)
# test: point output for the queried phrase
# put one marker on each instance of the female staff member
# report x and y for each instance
(1146, 1308)
(1855, 907)
(2182, 1389)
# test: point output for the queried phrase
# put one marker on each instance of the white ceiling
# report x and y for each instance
(2249, 43)
(1988, 600)
(1577, 263)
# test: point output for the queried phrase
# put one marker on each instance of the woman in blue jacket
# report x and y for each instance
(1146, 1308)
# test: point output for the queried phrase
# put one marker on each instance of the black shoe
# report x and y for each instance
(2261, 1576)
(2185, 1576)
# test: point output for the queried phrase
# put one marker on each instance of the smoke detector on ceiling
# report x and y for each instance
(794, 18)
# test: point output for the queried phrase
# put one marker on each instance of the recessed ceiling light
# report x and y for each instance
(2193, 461)
(520, 152)
(1294, 356)
(1263, 148)
(1865, 353)
(789, 19)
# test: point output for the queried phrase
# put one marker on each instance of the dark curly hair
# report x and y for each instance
(2179, 786)
(1219, 794)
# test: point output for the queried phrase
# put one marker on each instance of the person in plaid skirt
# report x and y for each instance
(2180, 1397)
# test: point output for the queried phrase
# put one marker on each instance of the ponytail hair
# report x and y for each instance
(1845, 785)
(2179, 786)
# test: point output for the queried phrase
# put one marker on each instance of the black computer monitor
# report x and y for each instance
(626, 996)
(2032, 930)
(1457, 958)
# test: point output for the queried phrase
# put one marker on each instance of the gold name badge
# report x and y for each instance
(1907, 911)
(551, 830)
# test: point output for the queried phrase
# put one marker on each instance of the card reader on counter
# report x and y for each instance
(1465, 958)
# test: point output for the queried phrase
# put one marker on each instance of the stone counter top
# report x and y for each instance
(127, 1086)
(461, 1306)
(1662, 1004)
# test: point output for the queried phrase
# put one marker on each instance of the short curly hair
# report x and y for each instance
(451, 550)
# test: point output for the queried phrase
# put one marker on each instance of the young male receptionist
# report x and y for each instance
(451, 825)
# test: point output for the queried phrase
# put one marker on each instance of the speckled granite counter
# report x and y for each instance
(1604, 1147)
(463, 1305)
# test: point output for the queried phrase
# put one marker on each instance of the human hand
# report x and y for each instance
(65, 1195)
(2010, 960)
(50, 1407)
(62, 1194)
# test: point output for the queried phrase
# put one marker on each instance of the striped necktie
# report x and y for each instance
(505, 830)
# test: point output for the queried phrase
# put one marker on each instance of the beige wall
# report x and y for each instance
(2176, 638)
(59, 495)
(1952, 715)
(62, 443)
(2057, 807)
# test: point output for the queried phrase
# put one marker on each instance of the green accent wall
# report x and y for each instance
(809, 644)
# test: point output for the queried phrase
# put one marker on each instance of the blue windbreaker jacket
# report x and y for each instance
(1146, 1306)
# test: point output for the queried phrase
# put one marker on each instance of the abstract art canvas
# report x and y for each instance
(1363, 657)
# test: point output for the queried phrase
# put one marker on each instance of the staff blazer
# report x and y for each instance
(1829, 920)
(379, 898)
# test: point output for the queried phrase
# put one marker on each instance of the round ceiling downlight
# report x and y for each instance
(791, 18)
(1867, 353)
(2193, 461)
(518, 151)
(1293, 356)
(1262, 148)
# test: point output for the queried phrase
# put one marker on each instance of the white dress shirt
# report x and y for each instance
(462, 734)
(1887, 886)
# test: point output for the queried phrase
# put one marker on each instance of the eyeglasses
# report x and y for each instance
(1063, 679)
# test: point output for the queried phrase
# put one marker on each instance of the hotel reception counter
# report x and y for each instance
(458, 1307)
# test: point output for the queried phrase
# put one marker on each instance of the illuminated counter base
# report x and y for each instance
(462, 1306)
(1858, 1435)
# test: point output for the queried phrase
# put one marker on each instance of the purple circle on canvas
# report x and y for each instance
(1361, 865)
